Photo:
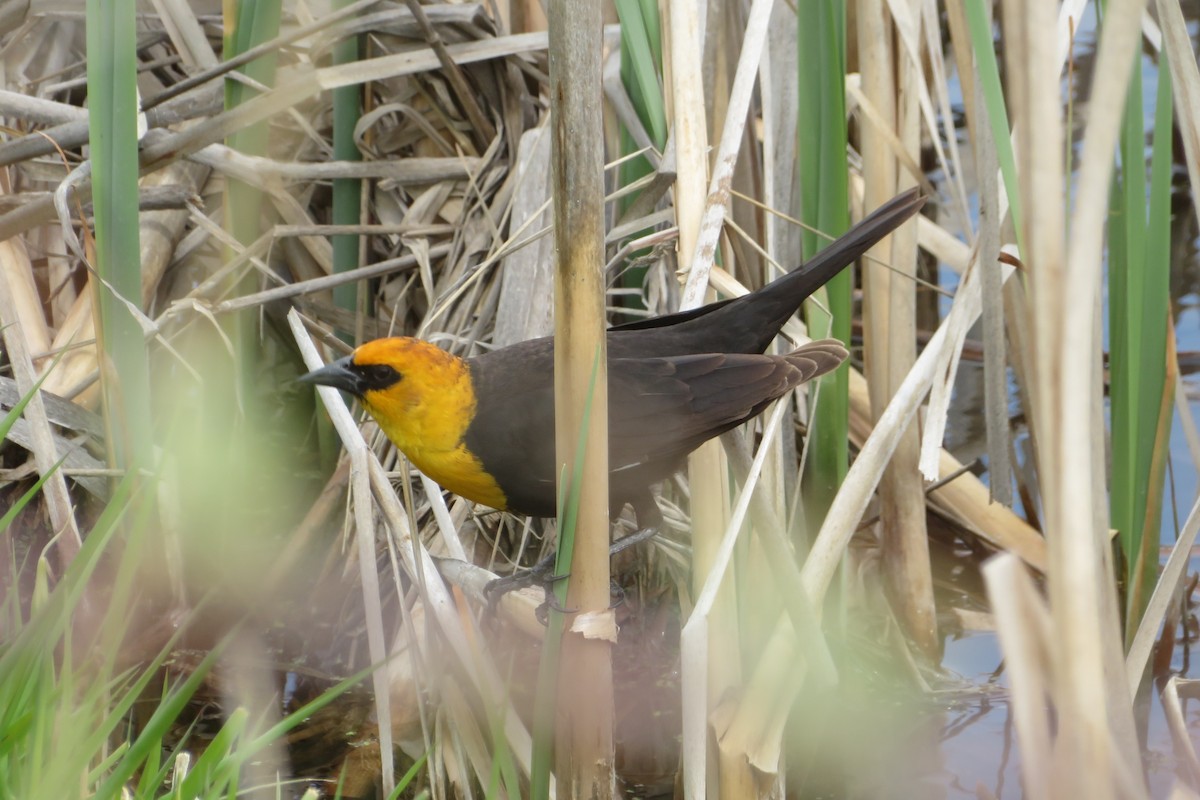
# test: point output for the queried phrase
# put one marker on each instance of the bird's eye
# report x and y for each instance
(379, 376)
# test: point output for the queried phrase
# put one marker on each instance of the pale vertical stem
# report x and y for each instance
(1040, 166)
(1019, 346)
(889, 329)
(14, 260)
(584, 752)
(778, 87)
(50, 239)
(480, 671)
(995, 377)
(159, 233)
(1064, 287)
(879, 174)
(708, 469)
(689, 128)
(1124, 735)
(521, 16)
(905, 540)
(778, 78)
(708, 473)
(1022, 625)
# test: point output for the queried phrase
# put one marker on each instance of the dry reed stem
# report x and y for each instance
(1185, 84)
(1025, 631)
(186, 33)
(364, 536)
(583, 754)
(686, 109)
(159, 232)
(473, 192)
(889, 314)
(707, 464)
(959, 326)
(942, 245)
(419, 566)
(851, 499)
(754, 732)
(773, 555)
(23, 296)
(1181, 739)
(1062, 409)
(1165, 592)
(1065, 291)
(45, 453)
(994, 371)
(1123, 736)
(526, 295)
(842, 519)
(778, 81)
(268, 173)
(39, 110)
(938, 83)
(717, 202)
(1187, 422)
(302, 288)
(964, 499)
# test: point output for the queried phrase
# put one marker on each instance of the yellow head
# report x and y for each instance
(423, 399)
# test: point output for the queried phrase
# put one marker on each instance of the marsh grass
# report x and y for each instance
(226, 565)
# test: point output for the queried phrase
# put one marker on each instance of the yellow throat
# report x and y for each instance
(426, 414)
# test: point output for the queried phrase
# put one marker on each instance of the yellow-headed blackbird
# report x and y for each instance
(483, 427)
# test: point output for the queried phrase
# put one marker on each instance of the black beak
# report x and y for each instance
(340, 374)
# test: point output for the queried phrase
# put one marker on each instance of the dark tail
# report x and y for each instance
(776, 302)
(748, 324)
(848, 248)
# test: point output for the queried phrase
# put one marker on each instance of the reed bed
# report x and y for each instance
(215, 584)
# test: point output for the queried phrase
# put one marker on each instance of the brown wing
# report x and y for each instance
(660, 409)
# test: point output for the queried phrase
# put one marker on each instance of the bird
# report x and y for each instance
(483, 427)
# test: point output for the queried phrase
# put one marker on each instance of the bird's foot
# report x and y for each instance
(542, 574)
(637, 537)
(616, 593)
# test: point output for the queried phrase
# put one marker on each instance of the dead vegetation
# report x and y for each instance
(455, 247)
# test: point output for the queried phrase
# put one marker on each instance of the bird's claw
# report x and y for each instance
(540, 574)
(637, 537)
(542, 612)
